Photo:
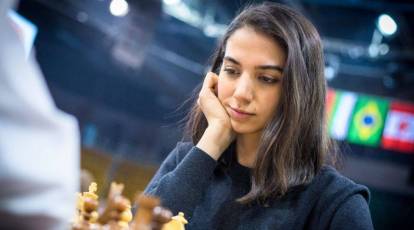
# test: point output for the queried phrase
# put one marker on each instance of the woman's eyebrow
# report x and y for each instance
(272, 67)
(262, 67)
(230, 59)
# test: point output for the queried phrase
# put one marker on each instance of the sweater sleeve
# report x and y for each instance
(352, 214)
(180, 184)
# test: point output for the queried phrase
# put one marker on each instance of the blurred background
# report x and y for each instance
(125, 67)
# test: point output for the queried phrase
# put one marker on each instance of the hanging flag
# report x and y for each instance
(399, 128)
(339, 119)
(330, 99)
(368, 121)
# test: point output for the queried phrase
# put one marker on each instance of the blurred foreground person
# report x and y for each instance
(39, 144)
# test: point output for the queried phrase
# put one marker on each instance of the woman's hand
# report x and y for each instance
(219, 133)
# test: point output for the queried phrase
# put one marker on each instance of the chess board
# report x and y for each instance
(116, 214)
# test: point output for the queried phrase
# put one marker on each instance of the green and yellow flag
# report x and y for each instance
(368, 121)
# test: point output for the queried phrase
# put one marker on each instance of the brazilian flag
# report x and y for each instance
(368, 121)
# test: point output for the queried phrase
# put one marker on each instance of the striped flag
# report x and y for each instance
(399, 128)
(330, 99)
(368, 121)
(340, 106)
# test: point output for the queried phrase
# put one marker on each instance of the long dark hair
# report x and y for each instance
(294, 143)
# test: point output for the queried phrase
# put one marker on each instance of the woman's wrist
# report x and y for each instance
(215, 140)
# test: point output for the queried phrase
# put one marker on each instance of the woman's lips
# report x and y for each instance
(239, 114)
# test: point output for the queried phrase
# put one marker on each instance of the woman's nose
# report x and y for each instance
(244, 88)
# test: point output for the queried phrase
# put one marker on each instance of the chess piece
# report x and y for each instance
(144, 215)
(117, 213)
(125, 217)
(160, 216)
(87, 205)
(176, 223)
(93, 187)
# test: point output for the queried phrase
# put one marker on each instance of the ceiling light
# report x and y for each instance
(119, 8)
(386, 25)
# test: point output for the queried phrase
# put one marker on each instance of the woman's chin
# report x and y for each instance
(242, 128)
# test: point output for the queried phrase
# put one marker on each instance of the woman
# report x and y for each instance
(259, 152)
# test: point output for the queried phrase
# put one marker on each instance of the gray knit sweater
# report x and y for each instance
(191, 181)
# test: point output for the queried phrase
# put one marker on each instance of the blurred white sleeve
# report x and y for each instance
(39, 144)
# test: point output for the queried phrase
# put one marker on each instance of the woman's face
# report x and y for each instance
(249, 85)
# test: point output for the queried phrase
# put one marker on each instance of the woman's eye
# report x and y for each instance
(230, 71)
(268, 80)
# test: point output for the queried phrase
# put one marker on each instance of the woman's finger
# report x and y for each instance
(213, 79)
(209, 83)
